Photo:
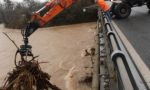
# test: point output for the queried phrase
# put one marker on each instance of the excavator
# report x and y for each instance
(121, 10)
(54, 6)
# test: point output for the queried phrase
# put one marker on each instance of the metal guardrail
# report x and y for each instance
(128, 77)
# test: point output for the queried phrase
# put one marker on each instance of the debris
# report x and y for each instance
(28, 76)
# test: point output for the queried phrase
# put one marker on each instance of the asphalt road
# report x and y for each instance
(137, 29)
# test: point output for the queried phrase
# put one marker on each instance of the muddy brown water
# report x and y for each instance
(54, 44)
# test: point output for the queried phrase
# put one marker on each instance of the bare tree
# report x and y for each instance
(16, 15)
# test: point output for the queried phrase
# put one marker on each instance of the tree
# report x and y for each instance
(16, 15)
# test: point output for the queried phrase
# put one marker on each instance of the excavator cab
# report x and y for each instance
(123, 9)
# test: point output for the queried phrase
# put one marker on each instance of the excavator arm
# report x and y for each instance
(54, 6)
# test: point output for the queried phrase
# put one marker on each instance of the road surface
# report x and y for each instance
(137, 29)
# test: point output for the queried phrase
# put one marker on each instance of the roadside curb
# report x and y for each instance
(143, 69)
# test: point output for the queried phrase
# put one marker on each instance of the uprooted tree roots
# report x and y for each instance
(28, 76)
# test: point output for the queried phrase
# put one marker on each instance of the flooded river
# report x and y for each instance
(53, 45)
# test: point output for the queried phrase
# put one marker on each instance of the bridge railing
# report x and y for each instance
(128, 77)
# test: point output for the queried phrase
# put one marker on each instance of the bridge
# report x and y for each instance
(123, 51)
(125, 43)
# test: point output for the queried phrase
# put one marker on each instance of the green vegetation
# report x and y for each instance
(16, 15)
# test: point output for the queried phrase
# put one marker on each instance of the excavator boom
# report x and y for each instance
(54, 6)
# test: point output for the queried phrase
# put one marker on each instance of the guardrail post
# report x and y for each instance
(125, 74)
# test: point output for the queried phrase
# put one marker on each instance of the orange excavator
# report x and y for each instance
(121, 10)
(36, 21)
(55, 7)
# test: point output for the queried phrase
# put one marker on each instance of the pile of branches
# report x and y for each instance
(28, 76)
